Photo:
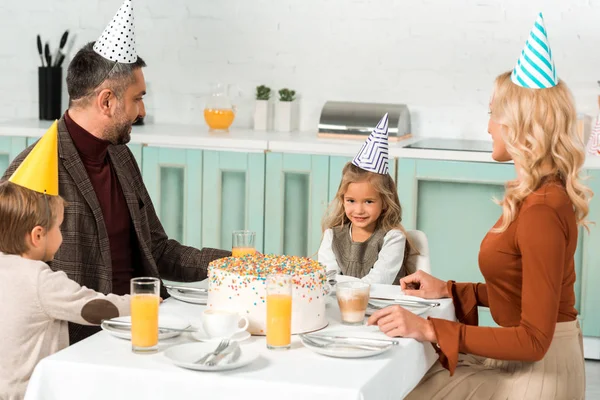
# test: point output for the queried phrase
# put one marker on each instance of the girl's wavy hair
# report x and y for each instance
(391, 214)
(540, 131)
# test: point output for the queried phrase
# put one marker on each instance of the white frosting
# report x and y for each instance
(247, 296)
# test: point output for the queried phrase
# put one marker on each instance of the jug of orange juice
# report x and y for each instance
(219, 111)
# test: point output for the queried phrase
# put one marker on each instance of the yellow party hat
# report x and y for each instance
(39, 170)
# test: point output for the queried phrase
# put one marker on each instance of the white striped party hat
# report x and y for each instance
(117, 42)
(373, 155)
(535, 68)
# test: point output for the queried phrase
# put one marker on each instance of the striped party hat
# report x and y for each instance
(373, 155)
(535, 68)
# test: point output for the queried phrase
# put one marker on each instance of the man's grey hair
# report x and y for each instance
(89, 71)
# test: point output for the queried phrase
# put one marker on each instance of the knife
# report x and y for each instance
(186, 289)
(160, 328)
(408, 302)
(355, 339)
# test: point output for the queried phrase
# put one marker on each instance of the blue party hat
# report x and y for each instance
(535, 68)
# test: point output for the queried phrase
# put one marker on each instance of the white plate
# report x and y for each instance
(387, 291)
(168, 321)
(189, 297)
(203, 337)
(346, 352)
(185, 354)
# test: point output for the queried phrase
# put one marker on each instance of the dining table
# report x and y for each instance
(104, 367)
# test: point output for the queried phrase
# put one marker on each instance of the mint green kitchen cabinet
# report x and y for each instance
(137, 151)
(590, 260)
(10, 147)
(233, 196)
(296, 194)
(173, 178)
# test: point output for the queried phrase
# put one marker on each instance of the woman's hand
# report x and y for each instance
(421, 284)
(396, 321)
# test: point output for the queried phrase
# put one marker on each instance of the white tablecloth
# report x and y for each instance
(103, 367)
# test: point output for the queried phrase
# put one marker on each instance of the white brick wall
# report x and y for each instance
(437, 56)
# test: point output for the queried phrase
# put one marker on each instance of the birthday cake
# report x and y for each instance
(239, 284)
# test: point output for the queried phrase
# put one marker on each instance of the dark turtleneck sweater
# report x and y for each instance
(94, 155)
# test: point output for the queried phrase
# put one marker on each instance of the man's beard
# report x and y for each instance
(120, 132)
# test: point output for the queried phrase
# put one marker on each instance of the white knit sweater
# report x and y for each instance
(35, 305)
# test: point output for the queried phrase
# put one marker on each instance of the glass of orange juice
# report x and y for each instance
(144, 314)
(279, 311)
(243, 243)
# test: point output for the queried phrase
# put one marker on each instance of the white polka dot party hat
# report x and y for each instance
(535, 68)
(117, 42)
(373, 155)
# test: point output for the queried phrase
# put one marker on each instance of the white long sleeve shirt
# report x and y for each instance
(389, 260)
(35, 305)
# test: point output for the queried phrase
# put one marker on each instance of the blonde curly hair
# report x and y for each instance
(540, 133)
(391, 214)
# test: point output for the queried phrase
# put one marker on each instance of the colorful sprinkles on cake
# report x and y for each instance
(306, 273)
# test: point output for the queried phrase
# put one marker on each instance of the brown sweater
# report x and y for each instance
(529, 276)
(94, 155)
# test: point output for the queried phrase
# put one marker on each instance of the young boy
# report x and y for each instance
(35, 302)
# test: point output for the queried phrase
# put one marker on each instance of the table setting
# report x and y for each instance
(374, 366)
(188, 345)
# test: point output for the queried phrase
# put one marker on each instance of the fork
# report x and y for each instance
(230, 350)
(222, 346)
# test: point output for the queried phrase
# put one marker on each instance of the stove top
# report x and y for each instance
(483, 146)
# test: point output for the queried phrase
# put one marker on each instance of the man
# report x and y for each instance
(111, 230)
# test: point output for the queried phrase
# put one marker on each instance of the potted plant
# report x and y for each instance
(285, 112)
(262, 108)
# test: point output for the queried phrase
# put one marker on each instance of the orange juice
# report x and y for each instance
(242, 251)
(279, 320)
(144, 320)
(219, 119)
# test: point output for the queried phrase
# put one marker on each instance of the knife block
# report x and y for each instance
(50, 91)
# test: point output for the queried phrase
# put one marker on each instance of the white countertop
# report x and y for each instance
(248, 140)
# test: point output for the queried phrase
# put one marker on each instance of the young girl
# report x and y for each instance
(363, 235)
(36, 302)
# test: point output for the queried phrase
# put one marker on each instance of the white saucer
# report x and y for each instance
(189, 297)
(346, 352)
(203, 336)
(184, 356)
(168, 321)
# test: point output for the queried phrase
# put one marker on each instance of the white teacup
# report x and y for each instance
(223, 323)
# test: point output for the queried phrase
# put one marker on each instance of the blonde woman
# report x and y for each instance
(527, 259)
(363, 235)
